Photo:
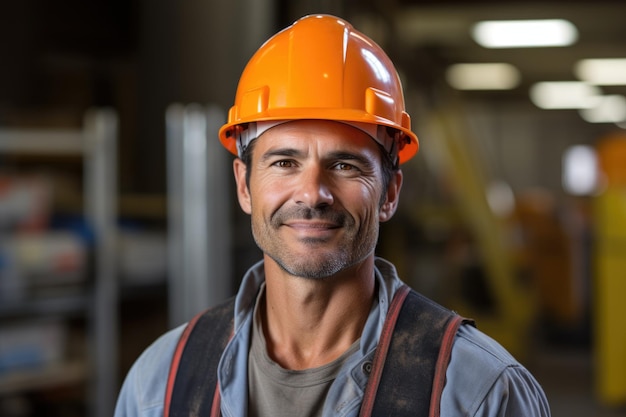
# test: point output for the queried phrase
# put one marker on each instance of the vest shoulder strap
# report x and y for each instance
(413, 353)
(193, 371)
(408, 373)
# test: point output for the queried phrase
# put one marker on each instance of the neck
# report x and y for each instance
(310, 322)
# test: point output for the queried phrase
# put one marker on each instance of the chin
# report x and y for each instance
(309, 268)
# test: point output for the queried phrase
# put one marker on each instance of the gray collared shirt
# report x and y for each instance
(483, 379)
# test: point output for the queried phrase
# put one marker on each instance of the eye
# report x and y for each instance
(284, 163)
(342, 166)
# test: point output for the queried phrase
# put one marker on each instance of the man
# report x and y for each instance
(320, 130)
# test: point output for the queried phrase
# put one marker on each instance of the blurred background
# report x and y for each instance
(118, 220)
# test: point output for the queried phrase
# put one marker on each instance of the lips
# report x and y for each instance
(309, 218)
(312, 232)
(312, 225)
(306, 224)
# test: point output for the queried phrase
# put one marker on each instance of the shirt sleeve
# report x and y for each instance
(515, 393)
(484, 380)
(143, 391)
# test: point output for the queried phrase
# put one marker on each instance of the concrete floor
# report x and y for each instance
(566, 375)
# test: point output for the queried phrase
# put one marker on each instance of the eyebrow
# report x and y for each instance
(280, 152)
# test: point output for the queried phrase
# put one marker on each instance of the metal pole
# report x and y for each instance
(101, 207)
(198, 208)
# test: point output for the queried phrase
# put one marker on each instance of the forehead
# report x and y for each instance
(323, 134)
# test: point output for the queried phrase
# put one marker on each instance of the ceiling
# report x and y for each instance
(438, 34)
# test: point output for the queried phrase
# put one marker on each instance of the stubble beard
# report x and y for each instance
(319, 263)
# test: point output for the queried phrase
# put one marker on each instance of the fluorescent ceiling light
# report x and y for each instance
(564, 95)
(610, 109)
(492, 76)
(524, 33)
(609, 71)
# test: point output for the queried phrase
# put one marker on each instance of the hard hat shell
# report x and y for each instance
(320, 68)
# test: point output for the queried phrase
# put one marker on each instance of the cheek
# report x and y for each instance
(363, 202)
(267, 195)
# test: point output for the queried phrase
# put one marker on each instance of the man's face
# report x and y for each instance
(314, 196)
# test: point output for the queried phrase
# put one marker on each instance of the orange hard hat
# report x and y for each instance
(321, 68)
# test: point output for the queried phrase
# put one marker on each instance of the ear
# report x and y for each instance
(392, 198)
(243, 193)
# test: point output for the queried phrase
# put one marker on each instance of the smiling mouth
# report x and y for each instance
(309, 219)
(316, 229)
(308, 227)
(311, 225)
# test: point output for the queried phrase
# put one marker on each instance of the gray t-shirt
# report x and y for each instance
(278, 392)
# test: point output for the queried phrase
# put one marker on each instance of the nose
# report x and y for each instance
(313, 188)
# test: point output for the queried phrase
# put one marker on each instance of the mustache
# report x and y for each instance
(326, 213)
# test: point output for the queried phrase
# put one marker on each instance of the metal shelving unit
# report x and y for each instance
(96, 143)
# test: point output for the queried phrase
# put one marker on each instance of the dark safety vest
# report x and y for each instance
(408, 371)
